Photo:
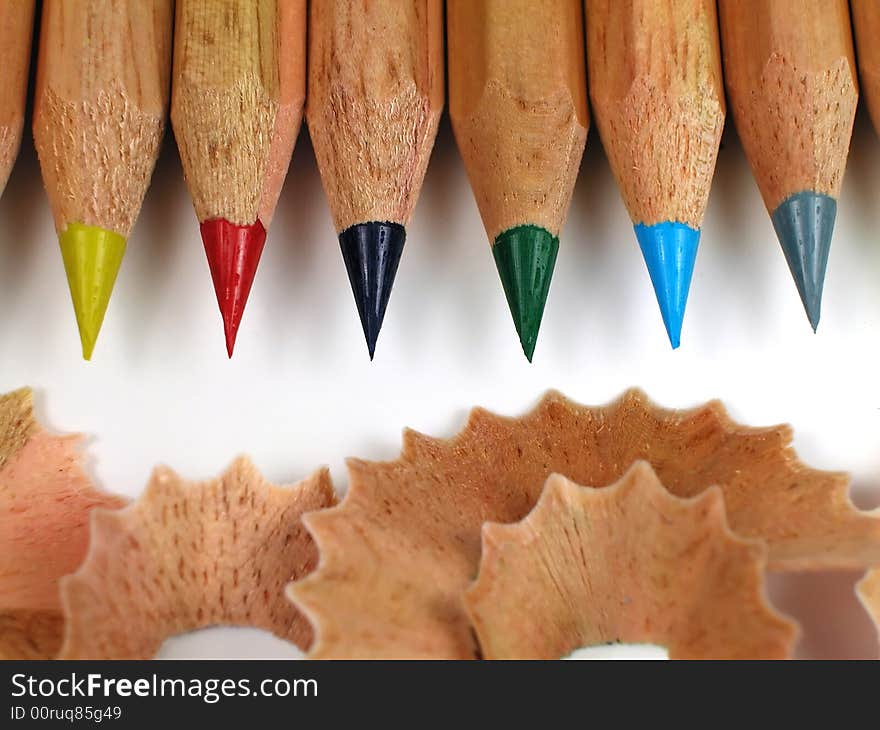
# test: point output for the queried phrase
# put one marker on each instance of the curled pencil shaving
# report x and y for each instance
(190, 555)
(45, 501)
(868, 591)
(30, 634)
(626, 563)
(399, 551)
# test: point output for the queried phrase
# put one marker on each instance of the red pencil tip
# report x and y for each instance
(230, 332)
(233, 254)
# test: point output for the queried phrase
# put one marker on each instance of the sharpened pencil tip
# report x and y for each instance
(670, 250)
(371, 252)
(92, 257)
(233, 253)
(525, 257)
(804, 224)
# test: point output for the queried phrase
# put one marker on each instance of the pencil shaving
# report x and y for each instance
(868, 591)
(190, 555)
(628, 563)
(45, 501)
(399, 551)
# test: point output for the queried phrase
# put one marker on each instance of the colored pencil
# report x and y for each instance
(866, 23)
(658, 101)
(375, 98)
(518, 104)
(236, 107)
(16, 30)
(791, 82)
(99, 116)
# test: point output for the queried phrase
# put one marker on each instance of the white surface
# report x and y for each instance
(620, 651)
(301, 391)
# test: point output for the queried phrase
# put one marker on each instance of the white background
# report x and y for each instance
(301, 391)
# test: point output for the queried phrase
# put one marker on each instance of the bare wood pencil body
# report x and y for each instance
(790, 75)
(239, 89)
(658, 101)
(375, 98)
(791, 79)
(16, 30)
(237, 104)
(518, 104)
(99, 106)
(99, 116)
(866, 23)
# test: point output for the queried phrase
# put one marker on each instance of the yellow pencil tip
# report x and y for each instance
(92, 257)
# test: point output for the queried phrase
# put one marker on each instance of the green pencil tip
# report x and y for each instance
(92, 257)
(525, 257)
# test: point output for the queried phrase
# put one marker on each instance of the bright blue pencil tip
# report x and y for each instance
(670, 249)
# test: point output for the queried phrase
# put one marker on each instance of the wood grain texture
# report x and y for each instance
(16, 31)
(630, 563)
(375, 98)
(658, 100)
(239, 90)
(866, 23)
(189, 555)
(791, 81)
(400, 550)
(518, 103)
(100, 106)
(46, 499)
